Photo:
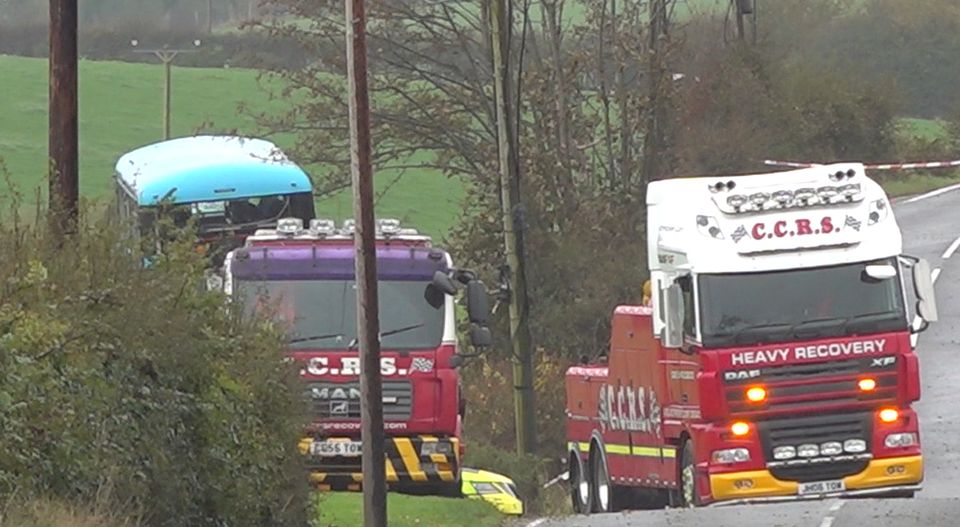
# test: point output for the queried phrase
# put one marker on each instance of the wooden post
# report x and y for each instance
(368, 321)
(509, 198)
(167, 66)
(64, 184)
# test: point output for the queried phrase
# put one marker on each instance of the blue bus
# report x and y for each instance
(229, 185)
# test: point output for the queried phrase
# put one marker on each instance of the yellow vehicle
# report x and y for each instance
(497, 489)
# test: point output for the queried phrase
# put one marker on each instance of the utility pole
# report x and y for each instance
(64, 184)
(742, 9)
(509, 201)
(368, 321)
(653, 140)
(166, 56)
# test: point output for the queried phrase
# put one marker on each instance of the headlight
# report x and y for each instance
(784, 452)
(808, 450)
(731, 455)
(436, 447)
(900, 440)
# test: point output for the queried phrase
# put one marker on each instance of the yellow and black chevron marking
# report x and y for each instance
(628, 450)
(404, 464)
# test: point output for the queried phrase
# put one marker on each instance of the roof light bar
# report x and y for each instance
(827, 193)
(388, 226)
(737, 200)
(783, 197)
(289, 225)
(804, 194)
(323, 227)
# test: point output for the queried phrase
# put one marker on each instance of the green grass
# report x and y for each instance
(344, 509)
(927, 129)
(120, 109)
(918, 184)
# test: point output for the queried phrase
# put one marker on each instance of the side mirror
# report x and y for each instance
(923, 287)
(444, 283)
(478, 305)
(673, 308)
(480, 337)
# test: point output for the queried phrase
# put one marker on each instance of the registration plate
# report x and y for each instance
(335, 448)
(821, 487)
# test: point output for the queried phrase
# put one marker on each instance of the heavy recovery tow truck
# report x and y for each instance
(304, 275)
(774, 358)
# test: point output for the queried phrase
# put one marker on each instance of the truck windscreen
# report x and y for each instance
(754, 308)
(322, 314)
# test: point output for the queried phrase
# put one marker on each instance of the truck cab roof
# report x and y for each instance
(811, 217)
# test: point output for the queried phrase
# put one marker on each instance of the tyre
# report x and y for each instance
(689, 494)
(452, 489)
(581, 489)
(602, 489)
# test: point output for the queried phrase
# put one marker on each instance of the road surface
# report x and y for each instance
(931, 229)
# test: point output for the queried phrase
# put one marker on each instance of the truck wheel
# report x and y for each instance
(689, 494)
(603, 495)
(581, 491)
(450, 490)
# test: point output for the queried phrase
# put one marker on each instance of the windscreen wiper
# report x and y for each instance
(355, 342)
(734, 336)
(870, 317)
(400, 330)
(315, 337)
(817, 324)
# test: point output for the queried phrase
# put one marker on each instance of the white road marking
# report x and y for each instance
(952, 249)
(537, 522)
(933, 193)
(936, 273)
(828, 519)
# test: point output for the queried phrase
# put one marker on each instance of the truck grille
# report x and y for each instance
(796, 386)
(817, 430)
(342, 400)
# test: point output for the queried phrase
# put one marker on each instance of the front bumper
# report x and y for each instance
(897, 474)
(405, 466)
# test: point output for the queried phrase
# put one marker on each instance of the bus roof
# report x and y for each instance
(209, 168)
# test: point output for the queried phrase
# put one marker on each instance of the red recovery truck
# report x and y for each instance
(305, 276)
(774, 360)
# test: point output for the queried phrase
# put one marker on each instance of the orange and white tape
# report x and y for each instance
(880, 166)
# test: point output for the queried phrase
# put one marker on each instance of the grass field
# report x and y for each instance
(344, 510)
(928, 129)
(120, 109)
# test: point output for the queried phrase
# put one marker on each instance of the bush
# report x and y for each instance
(44, 513)
(138, 384)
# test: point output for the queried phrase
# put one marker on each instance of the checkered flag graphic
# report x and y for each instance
(421, 364)
(853, 223)
(739, 234)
